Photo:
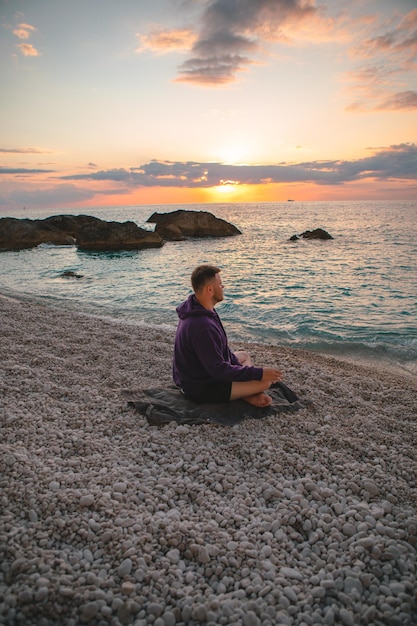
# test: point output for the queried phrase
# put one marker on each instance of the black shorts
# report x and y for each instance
(217, 391)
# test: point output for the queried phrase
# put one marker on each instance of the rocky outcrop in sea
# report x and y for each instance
(181, 224)
(92, 233)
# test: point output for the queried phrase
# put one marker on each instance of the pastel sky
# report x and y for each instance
(179, 101)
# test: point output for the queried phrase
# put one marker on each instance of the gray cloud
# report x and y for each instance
(394, 162)
(24, 151)
(230, 36)
(23, 170)
(60, 194)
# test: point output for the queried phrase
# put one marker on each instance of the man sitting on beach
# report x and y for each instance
(204, 367)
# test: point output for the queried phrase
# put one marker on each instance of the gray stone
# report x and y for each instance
(125, 568)
(347, 617)
(88, 611)
(87, 500)
(173, 555)
(290, 572)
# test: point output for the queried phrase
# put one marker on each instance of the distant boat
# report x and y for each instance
(289, 200)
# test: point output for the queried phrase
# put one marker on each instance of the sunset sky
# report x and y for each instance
(165, 101)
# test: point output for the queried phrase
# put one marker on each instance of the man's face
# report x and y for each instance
(217, 289)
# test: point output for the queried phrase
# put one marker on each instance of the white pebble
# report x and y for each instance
(87, 500)
(173, 555)
(290, 572)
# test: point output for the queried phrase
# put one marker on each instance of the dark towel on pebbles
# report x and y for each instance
(161, 405)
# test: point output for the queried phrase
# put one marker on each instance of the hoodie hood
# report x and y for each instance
(192, 308)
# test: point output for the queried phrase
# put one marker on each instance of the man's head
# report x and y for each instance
(207, 285)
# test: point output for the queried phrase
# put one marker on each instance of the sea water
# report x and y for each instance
(354, 296)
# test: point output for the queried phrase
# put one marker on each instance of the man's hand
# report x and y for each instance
(271, 375)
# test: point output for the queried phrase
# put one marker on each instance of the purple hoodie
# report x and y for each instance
(201, 351)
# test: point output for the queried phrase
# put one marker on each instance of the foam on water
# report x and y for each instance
(355, 295)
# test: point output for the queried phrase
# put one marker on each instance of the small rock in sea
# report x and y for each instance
(317, 233)
(70, 274)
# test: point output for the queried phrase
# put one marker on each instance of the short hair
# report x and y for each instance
(202, 275)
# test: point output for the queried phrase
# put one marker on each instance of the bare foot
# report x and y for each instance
(259, 399)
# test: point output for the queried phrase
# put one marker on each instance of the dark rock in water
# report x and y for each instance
(294, 238)
(170, 232)
(70, 274)
(89, 233)
(92, 233)
(317, 233)
(16, 234)
(111, 236)
(182, 224)
(71, 224)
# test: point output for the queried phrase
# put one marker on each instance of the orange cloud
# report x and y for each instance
(25, 151)
(397, 162)
(163, 41)
(23, 31)
(28, 50)
(389, 57)
(400, 101)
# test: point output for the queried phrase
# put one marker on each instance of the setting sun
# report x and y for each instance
(226, 187)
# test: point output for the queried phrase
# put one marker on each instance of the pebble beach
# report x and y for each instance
(298, 519)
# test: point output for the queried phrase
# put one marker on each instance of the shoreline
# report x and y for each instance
(106, 519)
(381, 365)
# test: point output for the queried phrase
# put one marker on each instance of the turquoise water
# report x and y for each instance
(354, 296)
